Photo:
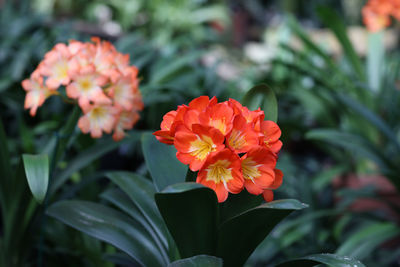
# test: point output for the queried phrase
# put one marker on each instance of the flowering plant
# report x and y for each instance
(95, 75)
(231, 147)
(167, 221)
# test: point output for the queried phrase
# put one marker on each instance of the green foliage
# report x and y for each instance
(264, 97)
(326, 259)
(160, 160)
(37, 173)
(198, 261)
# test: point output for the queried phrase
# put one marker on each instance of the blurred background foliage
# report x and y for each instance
(339, 107)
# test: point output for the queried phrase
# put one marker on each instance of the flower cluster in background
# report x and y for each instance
(95, 75)
(376, 13)
(231, 147)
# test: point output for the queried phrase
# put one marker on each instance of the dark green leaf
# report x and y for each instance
(351, 142)
(37, 173)
(327, 259)
(86, 157)
(371, 117)
(239, 236)
(198, 261)
(331, 19)
(262, 96)
(5, 168)
(165, 169)
(190, 211)
(141, 192)
(110, 226)
(368, 239)
(238, 203)
(123, 202)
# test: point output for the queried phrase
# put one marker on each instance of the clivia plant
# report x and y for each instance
(210, 214)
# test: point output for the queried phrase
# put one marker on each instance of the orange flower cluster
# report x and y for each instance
(376, 13)
(230, 146)
(98, 77)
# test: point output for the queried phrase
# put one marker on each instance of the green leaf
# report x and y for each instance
(304, 37)
(371, 117)
(327, 259)
(351, 142)
(163, 73)
(37, 174)
(141, 192)
(190, 211)
(262, 96)
(123, 202)
(198, 261)
(368, 239)
(165, 169)
(239, 236)
(86, 157)
(111, 226)
(331, 19)
(5, 170)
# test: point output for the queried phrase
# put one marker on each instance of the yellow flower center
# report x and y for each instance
(220, 125)
(219, 172)
(200, 148)
(236, 139)
(250, 169)
(85, 84)
(98, 113)
(61, 70)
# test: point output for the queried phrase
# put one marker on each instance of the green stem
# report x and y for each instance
(62, 140)
(63, 137)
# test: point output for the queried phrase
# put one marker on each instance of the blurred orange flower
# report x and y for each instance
(98, 77)
(230, 146)
(376, 13)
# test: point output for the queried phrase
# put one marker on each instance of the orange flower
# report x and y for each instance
(221, 172)
(95, 74)
(194, 146)
(97, 118)
(255, 116)
(258, 169)
(209, 137)
(268, 194)
(242, 137)
(56, 66)
(125, 92)
(124, 121)
(219, 116)
(271, 134)
(86, 87)
(376, 13)
(37, 92)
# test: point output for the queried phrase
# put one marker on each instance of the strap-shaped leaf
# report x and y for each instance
(123, 202)
(262, 96)
(111, 226)
(240, 235)
(331, 19)
(37, 174)
(367, 239)
(86, 157)
(165, 169)
(332, 260)
(198, 261)
(190, 211)
(5, 170)
(141, 192)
